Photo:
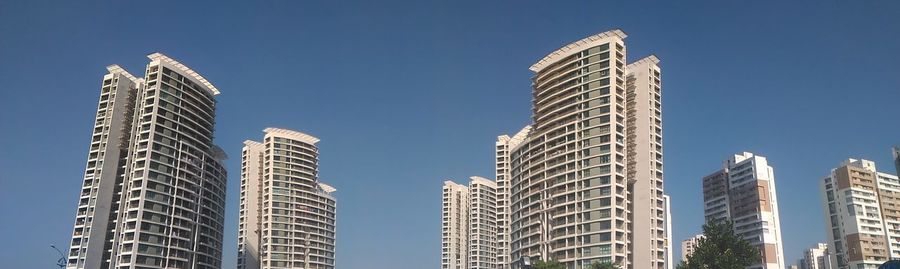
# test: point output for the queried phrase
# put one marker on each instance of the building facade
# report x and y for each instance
(154, 186)
(287, 216)
(455, 226)
(469, 233)
(816, 258)
(862, 215)
(670, 251)
(482, 223)
(503, 145)
(689, 245)
(586, 182)
(743, 192)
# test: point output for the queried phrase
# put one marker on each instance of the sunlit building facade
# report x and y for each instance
(287, 217)
(503, 145)
(862, 215)
(743, 192)
(586, 183)
(154, 186)
(816, 258)
(689, 245)
(469, 225)
(454, 226)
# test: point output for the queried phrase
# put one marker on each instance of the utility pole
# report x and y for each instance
(62, 258)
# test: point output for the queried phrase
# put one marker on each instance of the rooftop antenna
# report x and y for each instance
(62, 258)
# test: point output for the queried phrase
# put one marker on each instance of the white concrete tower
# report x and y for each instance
(689, 245)
(482, 223)
(284, 206)
(503, 145)
(454, 226)
(645, 164)
(250, 214)
(586, 184)
(154, 187)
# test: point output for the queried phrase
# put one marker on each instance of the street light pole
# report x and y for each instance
(62, 258)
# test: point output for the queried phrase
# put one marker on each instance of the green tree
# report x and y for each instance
(721, 249)
(551, 264)
(604, 265)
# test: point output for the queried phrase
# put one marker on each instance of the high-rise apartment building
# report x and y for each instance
(154, 186)
(862, 212)
(469, 225)
(287, 216)
(689, 245)
(743, 192)
(586, 182)
(455, 226)
(816, 258)
(482, 223)
(504, 144)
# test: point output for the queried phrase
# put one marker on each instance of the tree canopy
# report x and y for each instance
(721, 249)
(551, 264)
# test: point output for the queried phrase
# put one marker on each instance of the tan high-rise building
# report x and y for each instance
(586, 183)
(862, 214)
(469, 225)
(689, 245)
(743, 192)
(154, 186)
(287, 216)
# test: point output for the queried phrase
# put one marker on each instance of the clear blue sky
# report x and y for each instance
(405, 95)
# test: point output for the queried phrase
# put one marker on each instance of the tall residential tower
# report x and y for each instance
(287, 217)
(454, 226)
(469, 225)
(743, 192)
(504, 144)
(154, 186)
(862, 215)
(586, 181)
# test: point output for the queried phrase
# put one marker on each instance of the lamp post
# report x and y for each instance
(62, 258)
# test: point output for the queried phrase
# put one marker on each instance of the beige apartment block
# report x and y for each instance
(586, 181)
(816, 257)
(287, 216)
(503, 145)
(469, 225)
(862, 215)
(454, 226)
(743, 192)
(154, 186)
(689, 245)
(645, 163)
